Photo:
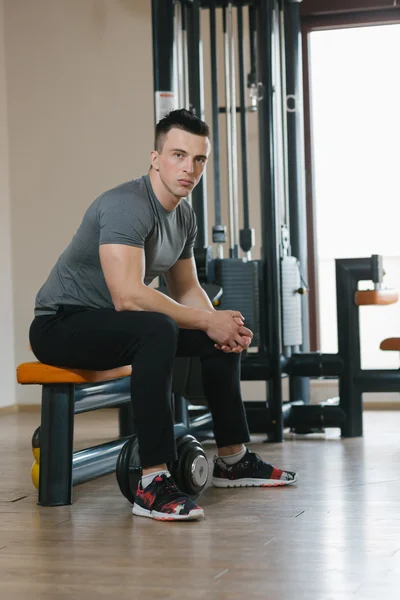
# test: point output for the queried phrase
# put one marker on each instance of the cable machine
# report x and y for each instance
(262, 37)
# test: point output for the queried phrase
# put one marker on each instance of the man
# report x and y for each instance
(97, 311)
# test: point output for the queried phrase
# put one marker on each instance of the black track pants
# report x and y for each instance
(103, 339)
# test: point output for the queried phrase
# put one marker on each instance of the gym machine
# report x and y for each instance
(269, 291)
(57, 468)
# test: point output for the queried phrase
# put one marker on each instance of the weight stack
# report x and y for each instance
(291, 302)
(240, 290)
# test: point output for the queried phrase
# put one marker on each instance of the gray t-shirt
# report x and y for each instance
(129, 214)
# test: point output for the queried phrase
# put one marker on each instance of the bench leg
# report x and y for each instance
(56, 445)
(125, 420)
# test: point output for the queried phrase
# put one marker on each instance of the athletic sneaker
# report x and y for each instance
(250, 471)
(161, 500)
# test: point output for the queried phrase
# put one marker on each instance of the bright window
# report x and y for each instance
(355, 87)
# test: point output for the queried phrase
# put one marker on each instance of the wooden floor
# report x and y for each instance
(336, 535)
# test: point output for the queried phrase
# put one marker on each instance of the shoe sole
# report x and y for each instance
(194, 515)
(227, 483)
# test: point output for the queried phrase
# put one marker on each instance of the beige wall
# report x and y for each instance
(7, 359)
(76, 118)
(80, 96)
(80, 117)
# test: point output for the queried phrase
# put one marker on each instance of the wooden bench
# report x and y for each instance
(380, 297)
(66, 392)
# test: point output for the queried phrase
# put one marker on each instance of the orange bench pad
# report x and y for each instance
(376, 297)
(391, 344)
(38, 373)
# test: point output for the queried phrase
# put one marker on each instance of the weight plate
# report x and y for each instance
(128, 470)
(196, 471)
(190, 471)
(199, 471)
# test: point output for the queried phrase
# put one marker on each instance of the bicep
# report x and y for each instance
(123, 268)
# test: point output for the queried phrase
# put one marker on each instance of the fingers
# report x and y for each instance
(243, 330)
(238, 343)
(246, 341)
(241, 341)
(228, 349)
(246, 332)
(236, 314)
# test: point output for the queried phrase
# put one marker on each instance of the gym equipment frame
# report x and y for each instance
(271, 291)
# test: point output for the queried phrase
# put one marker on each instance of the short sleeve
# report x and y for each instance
(124, 222)
(187, 251)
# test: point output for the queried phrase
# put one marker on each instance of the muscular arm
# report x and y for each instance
(124, 268)
(184, 287)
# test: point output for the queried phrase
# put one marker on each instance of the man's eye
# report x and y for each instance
(178, 154)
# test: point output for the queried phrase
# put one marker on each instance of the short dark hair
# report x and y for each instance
(179, 119)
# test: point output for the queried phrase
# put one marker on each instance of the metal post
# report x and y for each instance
(235, 186)
(91, 463)
(179, 83)
(269, 215)
(252, 76)
(348, 273)
(246, 234)
(243, 120)
(378, 380)
(103, 395)
(163, 56)
(56, 445)
(227, 31)
(185, 63)
(181, 413)
(192, 20)
(125, 420)
(218, 231)
(299, 387)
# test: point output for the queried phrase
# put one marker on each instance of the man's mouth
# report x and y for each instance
(185, 182)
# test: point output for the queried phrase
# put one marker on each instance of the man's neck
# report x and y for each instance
(164, 196)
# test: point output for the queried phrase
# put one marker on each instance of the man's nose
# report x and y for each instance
(189, 165)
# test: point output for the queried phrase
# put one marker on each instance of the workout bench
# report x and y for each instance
(390, 345)
(66, 392)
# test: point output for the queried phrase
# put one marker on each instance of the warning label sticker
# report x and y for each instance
(165, 102)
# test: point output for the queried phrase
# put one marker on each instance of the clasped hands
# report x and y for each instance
(227, 329)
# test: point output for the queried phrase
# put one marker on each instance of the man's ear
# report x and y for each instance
(154, 159)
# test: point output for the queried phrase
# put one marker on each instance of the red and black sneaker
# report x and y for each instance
(250, 471)
(162, 500)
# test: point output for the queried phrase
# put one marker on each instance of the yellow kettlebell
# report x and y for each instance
(36, 454)
(35, 474)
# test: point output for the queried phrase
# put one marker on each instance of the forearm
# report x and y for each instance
(149, 299)
(195, 297)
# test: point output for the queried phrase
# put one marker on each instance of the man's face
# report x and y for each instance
(182, 161)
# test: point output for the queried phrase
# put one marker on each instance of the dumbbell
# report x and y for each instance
(189, 471)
